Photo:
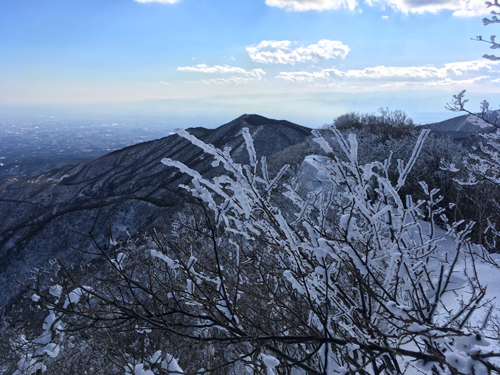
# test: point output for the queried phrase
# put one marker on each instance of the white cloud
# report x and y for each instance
(378, 73)
(460, 8)
(459, 72)
(203, 68)
(444, 82)
(248, 76)
(306, 5)
(306, 76)
(281, 52)
(381, 72)
(158, 1)
(165, 83)
(460, 68)
(231, 80)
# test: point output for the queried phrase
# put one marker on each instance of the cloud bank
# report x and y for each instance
(453, 73)
(246, 76)
(460, 8)
(281, 52)
(158, 1)
(306, 5)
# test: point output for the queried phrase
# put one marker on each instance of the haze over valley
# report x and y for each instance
(43, 143)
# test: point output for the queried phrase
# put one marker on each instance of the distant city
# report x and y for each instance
(32, 146)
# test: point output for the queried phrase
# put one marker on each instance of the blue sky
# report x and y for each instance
(92, 51)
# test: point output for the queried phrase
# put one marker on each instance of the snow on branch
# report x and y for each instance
(334, 279)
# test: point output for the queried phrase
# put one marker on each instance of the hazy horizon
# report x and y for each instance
(312, 110)
(305, 61)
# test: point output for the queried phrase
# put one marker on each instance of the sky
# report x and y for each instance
(245, 54)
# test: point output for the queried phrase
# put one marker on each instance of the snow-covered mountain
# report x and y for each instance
(120, 194)
(464, 126)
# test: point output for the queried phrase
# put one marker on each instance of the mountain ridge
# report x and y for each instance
(119, 194)
(462, 127)
(122, 193)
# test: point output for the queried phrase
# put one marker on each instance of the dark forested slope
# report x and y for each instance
(118, 195)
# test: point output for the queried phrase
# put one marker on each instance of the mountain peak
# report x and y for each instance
(256, 120)
(123, 193)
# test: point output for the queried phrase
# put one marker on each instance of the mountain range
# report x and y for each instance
(124, 193)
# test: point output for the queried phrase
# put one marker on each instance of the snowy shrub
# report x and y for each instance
(470, 202)
(387, 124)
(480, 173)
(263, 278)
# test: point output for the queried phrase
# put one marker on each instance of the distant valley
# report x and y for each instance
(34, 145)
